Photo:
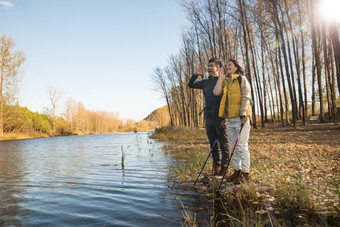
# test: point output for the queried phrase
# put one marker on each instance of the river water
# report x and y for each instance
(119, 179)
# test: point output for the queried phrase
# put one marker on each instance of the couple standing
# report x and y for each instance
(226, 108)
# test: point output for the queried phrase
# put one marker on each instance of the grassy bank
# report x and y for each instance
(33, 134)
(19, 136)
(301, 167)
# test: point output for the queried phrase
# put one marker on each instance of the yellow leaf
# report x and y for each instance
(260, 212)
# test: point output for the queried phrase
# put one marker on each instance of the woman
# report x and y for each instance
(235, 110)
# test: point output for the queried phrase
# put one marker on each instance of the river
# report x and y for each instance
(121, 179)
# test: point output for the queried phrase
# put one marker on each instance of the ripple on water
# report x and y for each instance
(80, 181)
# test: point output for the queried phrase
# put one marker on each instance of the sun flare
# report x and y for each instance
(330, 10)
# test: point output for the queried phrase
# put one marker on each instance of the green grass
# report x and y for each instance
(191, 168)
(294, 195)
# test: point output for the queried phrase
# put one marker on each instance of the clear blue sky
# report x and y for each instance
(101, 53)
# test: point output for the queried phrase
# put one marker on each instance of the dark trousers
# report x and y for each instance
(220, 152)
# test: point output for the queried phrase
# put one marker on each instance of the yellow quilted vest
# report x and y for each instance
(232, 91)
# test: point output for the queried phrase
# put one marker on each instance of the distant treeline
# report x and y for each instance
(21, 120)
(76, 119)
(290, 53)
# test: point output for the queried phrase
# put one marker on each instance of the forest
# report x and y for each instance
(290, 52)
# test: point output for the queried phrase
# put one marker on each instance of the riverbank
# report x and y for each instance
(20, 136)
(301, 167)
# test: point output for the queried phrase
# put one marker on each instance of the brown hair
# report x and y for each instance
(238, 65)
(217, 61)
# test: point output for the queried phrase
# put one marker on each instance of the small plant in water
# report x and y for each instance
(123, 156)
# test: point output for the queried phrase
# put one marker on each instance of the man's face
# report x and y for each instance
(212, 69)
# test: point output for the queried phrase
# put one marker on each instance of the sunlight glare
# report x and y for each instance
(330, 10)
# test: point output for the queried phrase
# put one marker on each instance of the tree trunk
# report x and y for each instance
(333, 30)
(313, 86)
(254, 64)
(303, 65)
(264, 81)
(327, 69)
(286, 62)
(247, 60)
(332, 82)
(284, 87)
(315, 41)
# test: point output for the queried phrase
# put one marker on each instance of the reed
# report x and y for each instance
(189, 220)
(244, 207)
(123, 156)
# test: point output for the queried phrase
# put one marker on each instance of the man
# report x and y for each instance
(220, 152)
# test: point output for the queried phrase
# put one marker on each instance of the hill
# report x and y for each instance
(160, 115)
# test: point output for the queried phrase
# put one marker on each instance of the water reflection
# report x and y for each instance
(12, 185)
(80, 180)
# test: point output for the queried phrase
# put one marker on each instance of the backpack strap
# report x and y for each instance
(239, 79)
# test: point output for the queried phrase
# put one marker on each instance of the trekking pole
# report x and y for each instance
(208, 157)
(231, 155)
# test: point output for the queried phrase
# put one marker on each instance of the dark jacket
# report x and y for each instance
(212, 102)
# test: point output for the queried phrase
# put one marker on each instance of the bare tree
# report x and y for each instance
(278, 61)
(161, 85)
(316, 47)
(54, 95)
(333, 30)
(11, 63)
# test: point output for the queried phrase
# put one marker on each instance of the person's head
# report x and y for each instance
(213, 66)
(234, 67)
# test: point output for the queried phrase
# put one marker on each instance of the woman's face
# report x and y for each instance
(230, 68)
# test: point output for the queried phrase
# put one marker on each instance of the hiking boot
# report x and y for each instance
(243, 177)
(223, 173)
(215, 171)
(233, 176)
